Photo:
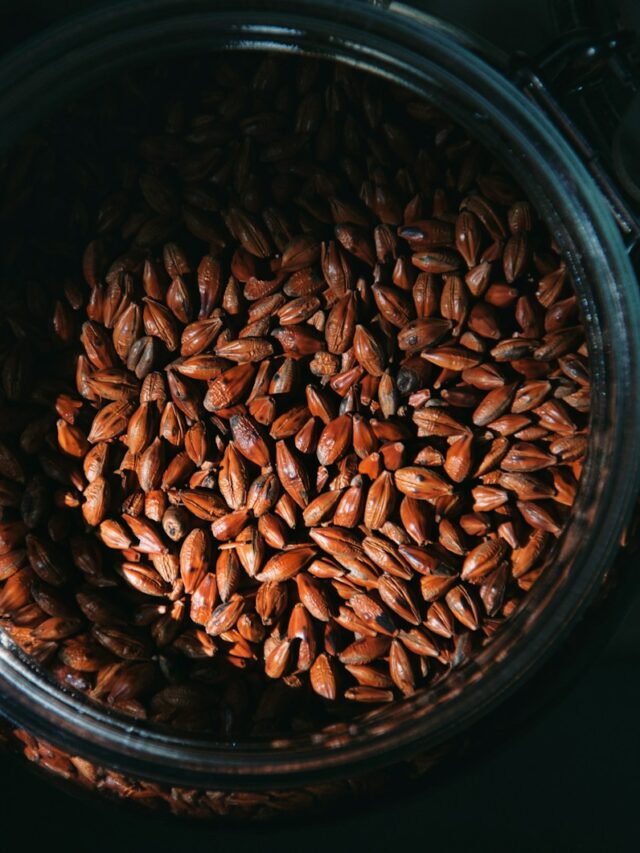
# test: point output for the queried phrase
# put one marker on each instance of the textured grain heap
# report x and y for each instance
(298, 428)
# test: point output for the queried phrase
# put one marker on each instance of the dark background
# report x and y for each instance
(567, 780)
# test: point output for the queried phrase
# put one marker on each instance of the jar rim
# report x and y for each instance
(417, 51)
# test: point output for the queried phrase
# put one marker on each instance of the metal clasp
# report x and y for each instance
(589, 85)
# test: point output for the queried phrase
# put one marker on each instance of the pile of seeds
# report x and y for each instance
(297, 426)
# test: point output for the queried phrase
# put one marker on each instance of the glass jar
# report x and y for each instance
(63, 731)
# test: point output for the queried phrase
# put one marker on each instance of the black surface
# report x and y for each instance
(567, 781)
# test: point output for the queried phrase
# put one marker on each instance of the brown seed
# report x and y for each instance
(340, 324)
(159, 322)
(229, 526)
(289, 423)
(371, 677)
(396, 595)
(148, 534)
(426, 233)
(313, 596)
(175, 260)
(97, 346)
(82, 656)
(400, 668)
(292, 475)
(418, 334)
(178, 299)
(114, 384)
(272, 527)
(150, 465)
(144, 579)
(416, 518)
(537, 516)
(383, 554)
(199, 336)
(463, 607)
(467, 236)
(357, 242)
(322, 677)
(57, 628)
(195, 559)
(228, 574)
(570, 448)
(387, 395)
(175, 523)
(368, 351)
(201, 367)
(437, 260)
(306, 437)
(96, 501)
(110, 422)
(233, 478)
(321, 507)
(459, 459)
(436, 421)
(372, 613)
(484, 376)
(298, 310)
(426, 295)
(555, 417)
(277, 659)
(249, 441)
(454, 303)
(45, 560)
(263, 494)
(202, 503)
(271, 601)
(286, 564)
(565, 485)
(523, 559)
(516, 256)
(524, 457)
(195, 443)
(350, 507)
(250, 628)
(115, 535)
(486, 498)
(177, 471)
(419, 642)
(421, 483)
(453, 358)
(319, 404)
(483, 560)
(334, 440)
(494, 404)
(225, 616)
(368, 695)
(245, 350)
(336, 268)
(297, 341)
(380, 501)
(140, 430)
(483, 320)
(142, 356)
(530, 395)
(392, 304)
(123, 644)
(526, 486)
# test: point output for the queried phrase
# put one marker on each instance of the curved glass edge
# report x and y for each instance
(27, 69)
(501, 117)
